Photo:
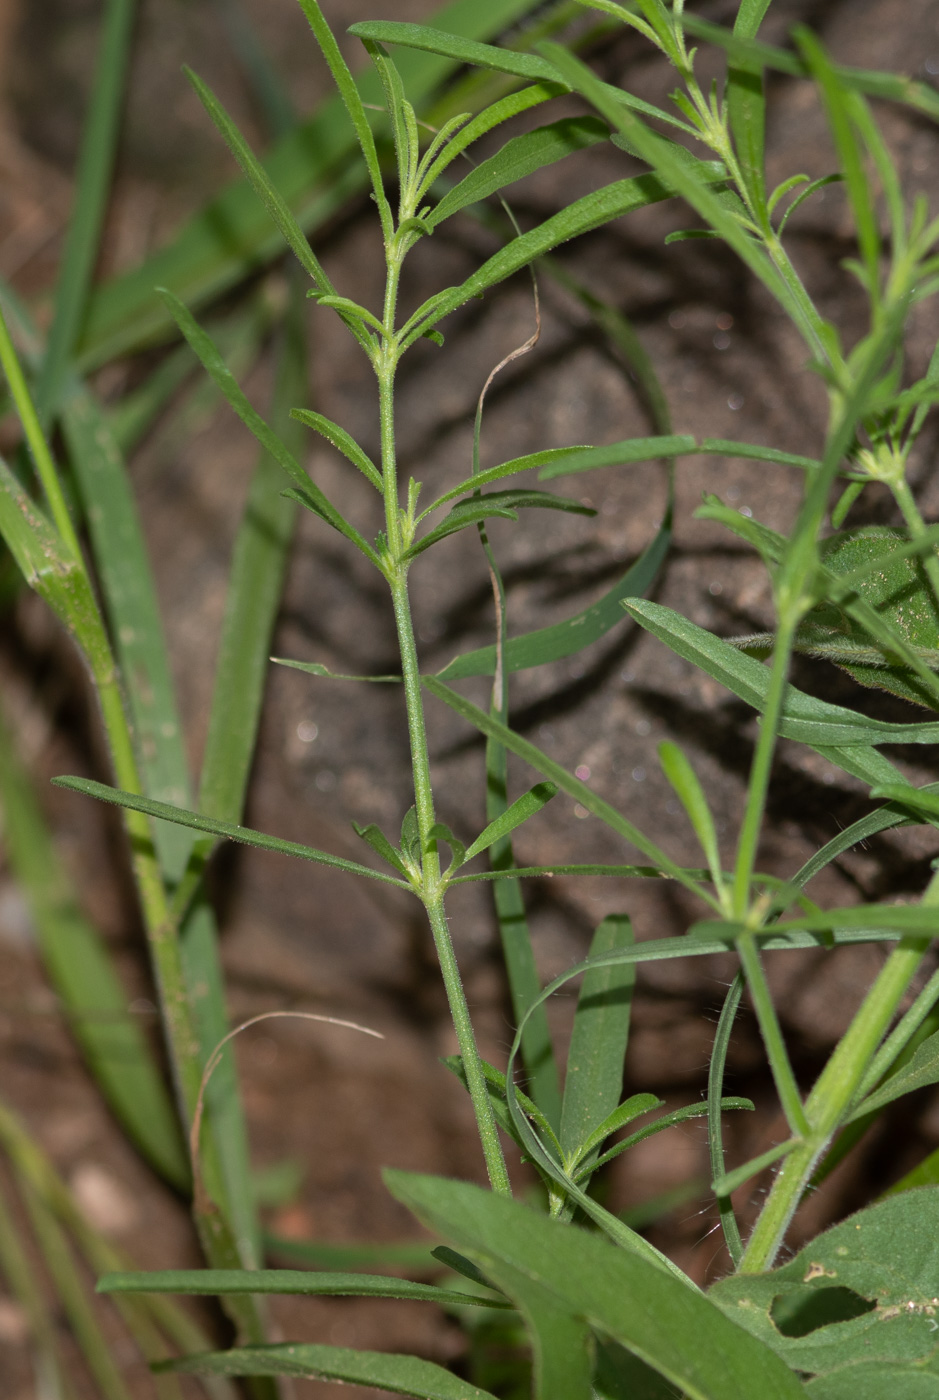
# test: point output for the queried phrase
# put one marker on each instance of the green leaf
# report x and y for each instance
(487, 120)
(594, 1079)
(263, 186)
(314, 668)
(917, 1072)
(373, 836)
(488, 505)
(715, 1126)
(100, 135)
(805, 718)
(754, 451)
(402, 1375)
(51, 570)
(671, 1327)
(520, 156)
(496, 1090)
(567, 638)
(315, 167)
(521, 809)
(340, 439)
(746, 107)
(80, 968)
(196, 822)
(624, 1113)
(297, 1282)
(613, 201)
(486, 724)
(563, 461)
(668, 1120)
(688, 789)
(887, 1257)
(308, 493)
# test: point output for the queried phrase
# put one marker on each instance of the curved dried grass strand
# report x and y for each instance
(198, 1187)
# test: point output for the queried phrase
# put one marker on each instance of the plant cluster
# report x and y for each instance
(605, 1312)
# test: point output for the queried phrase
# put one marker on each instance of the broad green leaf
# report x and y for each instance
(919, 1071)
(621, 1376)
(81, 971)
(672, 1328)
(302, 1283)
(805, 718)
(520, 156)
(566, 638)
(521, 809)
(594, 1078)
(874, 1381)
(196, 822)
(898, 589)
(342, 440)
(402, 1375)
(865, 1288)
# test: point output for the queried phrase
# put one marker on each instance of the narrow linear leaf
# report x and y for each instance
(402, 1375)
(314, 668)
(520, 810)
(298, 1282)
(520, 156)
(307, 492)
(594, 1079)
(342, 440)
(215, 827)
(566, 638)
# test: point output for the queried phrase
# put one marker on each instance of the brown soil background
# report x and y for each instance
(339, 1105)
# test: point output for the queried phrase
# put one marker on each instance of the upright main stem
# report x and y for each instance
(432, 887)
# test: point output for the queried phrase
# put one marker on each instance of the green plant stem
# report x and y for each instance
(432, 894)
(832, 1097)
(758, 786)
(914, 522)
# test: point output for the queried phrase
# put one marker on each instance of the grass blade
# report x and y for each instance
(594, 1079)
(92, 185)
(83, 976)
(24, 1285)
